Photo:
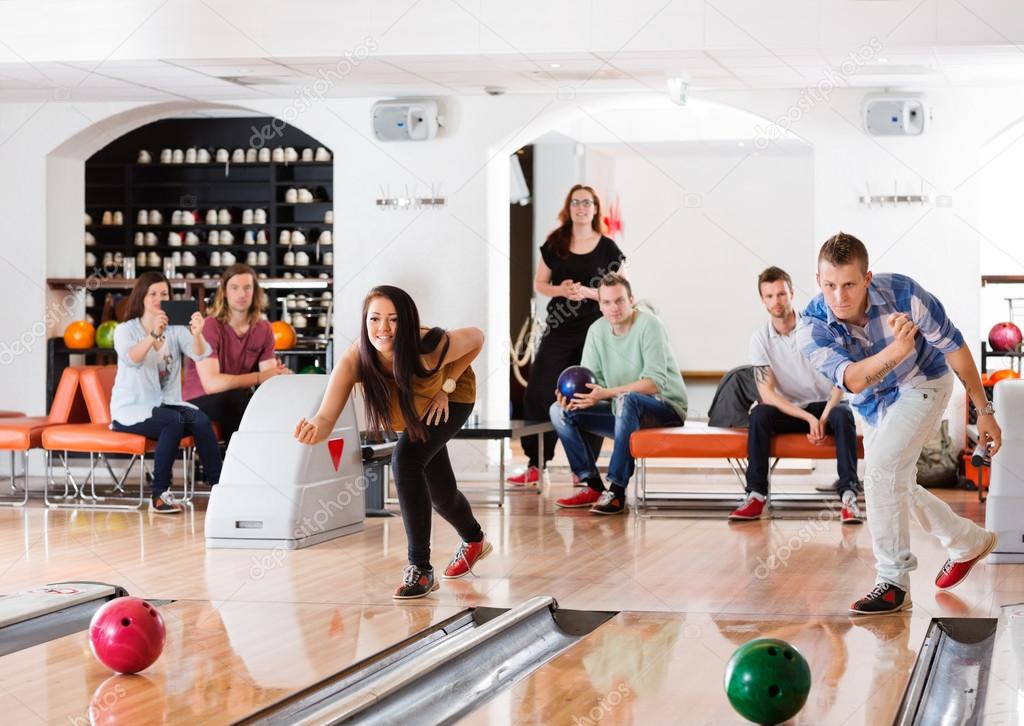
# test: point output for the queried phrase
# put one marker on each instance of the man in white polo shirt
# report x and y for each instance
(795, 398)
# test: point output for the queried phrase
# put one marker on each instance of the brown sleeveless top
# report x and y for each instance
(424, 389)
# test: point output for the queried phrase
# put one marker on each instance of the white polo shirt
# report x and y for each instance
(796, 379)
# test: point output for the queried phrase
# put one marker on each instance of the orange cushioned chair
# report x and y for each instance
(20, 434)
(96, 437)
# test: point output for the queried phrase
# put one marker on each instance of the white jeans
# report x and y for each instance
(891, 491)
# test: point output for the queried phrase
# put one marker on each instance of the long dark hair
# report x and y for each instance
(137, 300)
(408, 348)
(561, 237)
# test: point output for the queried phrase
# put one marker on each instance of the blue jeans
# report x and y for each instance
(168, 426)
(635, 411)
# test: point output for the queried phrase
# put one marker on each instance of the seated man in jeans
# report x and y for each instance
(795, 398)
(638, 386)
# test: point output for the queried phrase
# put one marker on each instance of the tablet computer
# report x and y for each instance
(179, 312)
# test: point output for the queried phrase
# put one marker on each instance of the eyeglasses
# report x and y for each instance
(585, 203)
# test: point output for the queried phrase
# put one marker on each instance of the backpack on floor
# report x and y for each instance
(938, 465)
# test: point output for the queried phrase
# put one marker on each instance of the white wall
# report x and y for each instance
(699, 226)
(453, 260)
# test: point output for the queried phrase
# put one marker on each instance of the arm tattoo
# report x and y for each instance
(761, 373)
(882, 373)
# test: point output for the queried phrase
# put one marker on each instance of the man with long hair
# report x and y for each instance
(887, 340)
(243, 351)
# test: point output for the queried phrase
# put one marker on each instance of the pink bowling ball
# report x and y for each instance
(1004, 337)
(127, 634)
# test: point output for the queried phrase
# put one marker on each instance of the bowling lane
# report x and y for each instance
(653, 668)
(222, 662)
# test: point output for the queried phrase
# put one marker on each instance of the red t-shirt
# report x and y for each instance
(237, 353)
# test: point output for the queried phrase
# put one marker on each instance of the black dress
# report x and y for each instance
(567, 325)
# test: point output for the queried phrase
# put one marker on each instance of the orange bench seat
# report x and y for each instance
(709, 442)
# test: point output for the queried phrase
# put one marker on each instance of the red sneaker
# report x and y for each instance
(467, 555)
(850, 513)
(530, 476)
(953, 573)
(751, 509)
(583, 498)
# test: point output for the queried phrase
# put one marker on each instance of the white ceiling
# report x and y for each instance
(468, 74)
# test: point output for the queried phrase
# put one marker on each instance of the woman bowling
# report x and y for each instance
(417, 382)
(572, 259)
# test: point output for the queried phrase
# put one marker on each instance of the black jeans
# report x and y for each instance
(168, 426)
(557, 351)
(226, 408)
(424, 478)
(766, 421)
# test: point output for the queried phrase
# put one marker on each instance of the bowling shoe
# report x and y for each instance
(467, 555)
(885, 598)
(610, 502)
(953, 573)
(850, 513)
(530, 476)
(416, 583)
(751, 509)
(164, 504)
(583, 498)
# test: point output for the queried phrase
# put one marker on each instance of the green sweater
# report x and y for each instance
(643, 352)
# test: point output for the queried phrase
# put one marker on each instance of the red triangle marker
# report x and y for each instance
(336, 446)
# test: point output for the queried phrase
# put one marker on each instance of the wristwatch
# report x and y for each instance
(449, 385)
(153, 335)
(988, 410)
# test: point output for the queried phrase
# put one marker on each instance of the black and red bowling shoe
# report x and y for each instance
(885, 598)
(416, 582)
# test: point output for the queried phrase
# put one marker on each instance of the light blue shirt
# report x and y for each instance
(156, 381)
(832, 345)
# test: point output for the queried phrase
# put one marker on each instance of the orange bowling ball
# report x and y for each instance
(80, 335)
(284, 335)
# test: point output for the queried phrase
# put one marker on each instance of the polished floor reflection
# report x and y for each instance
(248, 627)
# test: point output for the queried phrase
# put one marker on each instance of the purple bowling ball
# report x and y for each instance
(574, 379)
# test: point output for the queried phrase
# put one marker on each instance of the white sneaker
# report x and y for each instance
(211, 217)
(259, 216)
(155, 217)
(247, 216)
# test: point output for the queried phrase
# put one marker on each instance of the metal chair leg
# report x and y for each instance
(14, 482)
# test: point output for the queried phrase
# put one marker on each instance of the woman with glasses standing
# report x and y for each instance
(575, 256)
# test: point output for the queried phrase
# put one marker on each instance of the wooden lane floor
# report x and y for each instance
(221, 663)
(661, 668)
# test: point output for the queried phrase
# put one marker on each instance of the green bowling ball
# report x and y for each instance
(313, 368)
(105, 334)
(767, 681)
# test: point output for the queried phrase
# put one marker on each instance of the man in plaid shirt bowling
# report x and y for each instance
(889, 341)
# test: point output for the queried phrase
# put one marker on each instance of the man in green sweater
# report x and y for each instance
(638, 386)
